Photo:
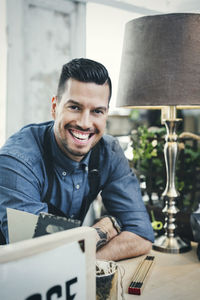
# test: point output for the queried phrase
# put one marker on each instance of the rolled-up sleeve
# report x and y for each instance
(122, 196)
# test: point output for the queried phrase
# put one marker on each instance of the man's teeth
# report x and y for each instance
(81, 136)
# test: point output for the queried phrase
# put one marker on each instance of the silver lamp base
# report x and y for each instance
(171, 245)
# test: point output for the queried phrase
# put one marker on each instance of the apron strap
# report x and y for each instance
(93, 177)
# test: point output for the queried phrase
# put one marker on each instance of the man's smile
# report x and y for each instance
(80, 135)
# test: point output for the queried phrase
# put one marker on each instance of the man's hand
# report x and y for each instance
(105, 231)
(124, 245)
(112, 245)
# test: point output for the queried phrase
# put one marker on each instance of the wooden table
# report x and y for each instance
(173, 276)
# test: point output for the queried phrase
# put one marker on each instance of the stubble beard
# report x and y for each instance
(68, 151)
(71, 151)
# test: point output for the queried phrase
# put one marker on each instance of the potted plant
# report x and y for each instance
(149, 165)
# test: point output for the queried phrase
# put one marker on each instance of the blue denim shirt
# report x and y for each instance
(24, 182)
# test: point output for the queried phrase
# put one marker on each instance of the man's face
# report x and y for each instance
(80, 117)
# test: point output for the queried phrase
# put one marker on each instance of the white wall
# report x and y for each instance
(37, 38)
(3, 70)
(104, 36)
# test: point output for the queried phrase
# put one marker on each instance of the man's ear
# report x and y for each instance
(53, 106)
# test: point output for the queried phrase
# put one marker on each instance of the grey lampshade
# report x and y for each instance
(160, 62)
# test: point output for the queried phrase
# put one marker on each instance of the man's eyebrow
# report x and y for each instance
(104, 108)
(70, 101)
(73, 102)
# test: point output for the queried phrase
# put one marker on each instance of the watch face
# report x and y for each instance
(115, 224)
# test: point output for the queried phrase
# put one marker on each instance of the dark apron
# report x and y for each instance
(93, 177)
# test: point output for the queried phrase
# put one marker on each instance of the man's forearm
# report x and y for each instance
(124, 245)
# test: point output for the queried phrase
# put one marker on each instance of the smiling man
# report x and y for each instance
(60, 166)
(80, 117)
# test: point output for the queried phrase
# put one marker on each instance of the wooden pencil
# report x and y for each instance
(140, 275)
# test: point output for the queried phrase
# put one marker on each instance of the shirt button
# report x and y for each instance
(64, 173)
(86, 168)
(77, 186)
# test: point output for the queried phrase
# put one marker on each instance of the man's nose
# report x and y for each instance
(84, 120)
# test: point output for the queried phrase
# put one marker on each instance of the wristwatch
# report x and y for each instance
(115, 223)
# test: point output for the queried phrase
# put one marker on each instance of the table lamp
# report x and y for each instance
(160, 69)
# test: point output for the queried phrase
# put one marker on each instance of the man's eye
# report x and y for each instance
(98, 111)
(74, 107)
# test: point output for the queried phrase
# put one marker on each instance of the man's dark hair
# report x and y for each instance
(84, 70)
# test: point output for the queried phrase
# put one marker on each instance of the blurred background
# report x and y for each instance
(39, 36)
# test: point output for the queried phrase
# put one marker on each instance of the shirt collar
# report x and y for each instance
(65, 162)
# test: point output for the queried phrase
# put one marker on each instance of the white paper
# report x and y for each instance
(21, 225)
(45, 273)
